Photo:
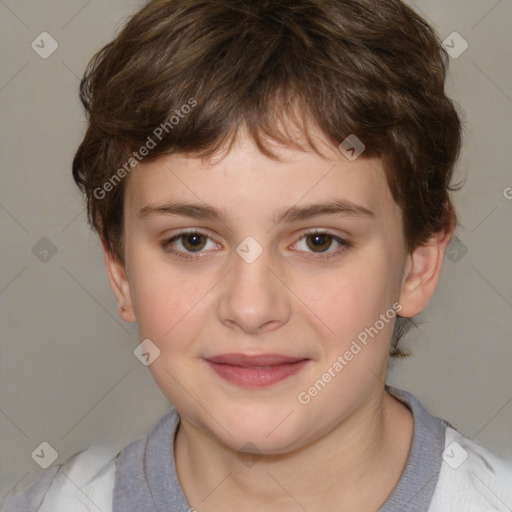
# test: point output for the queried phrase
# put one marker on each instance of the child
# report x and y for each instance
(270, 181)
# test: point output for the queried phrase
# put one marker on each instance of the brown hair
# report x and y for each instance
(371, 68)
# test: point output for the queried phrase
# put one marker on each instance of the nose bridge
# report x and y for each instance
(252, 273)
(253, 298)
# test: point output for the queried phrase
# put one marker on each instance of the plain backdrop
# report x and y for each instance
(68, 375)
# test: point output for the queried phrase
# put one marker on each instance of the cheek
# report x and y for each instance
(164, 303)
(349, 302)
(160, 296)
(170, 309)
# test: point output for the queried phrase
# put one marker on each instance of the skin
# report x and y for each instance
(352, 435)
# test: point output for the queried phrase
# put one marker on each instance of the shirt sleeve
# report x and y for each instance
(83, 483)
(471, 479)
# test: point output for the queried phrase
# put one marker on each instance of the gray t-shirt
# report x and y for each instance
(462, 477)
(146, 478)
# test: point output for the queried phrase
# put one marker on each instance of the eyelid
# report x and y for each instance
(188, 231)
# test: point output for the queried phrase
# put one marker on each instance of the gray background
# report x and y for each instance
(68, 375)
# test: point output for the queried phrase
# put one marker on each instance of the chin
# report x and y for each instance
(270, 431)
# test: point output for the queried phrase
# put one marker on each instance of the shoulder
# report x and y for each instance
(471, 478)
(83, 483)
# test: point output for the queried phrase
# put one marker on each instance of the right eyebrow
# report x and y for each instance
(194, 210)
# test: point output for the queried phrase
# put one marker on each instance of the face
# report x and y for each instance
(258, 280)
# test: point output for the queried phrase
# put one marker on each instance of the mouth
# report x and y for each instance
(255, 371)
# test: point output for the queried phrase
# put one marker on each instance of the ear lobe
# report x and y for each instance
(120, 286)
(422, 273)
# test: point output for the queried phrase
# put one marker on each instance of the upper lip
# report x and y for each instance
(245, 360)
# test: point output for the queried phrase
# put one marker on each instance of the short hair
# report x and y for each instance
(370, 68)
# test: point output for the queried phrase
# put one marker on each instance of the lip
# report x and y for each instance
(255, 371)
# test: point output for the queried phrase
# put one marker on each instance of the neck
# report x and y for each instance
(368, 450)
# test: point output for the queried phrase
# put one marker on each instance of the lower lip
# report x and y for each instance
(256, 377)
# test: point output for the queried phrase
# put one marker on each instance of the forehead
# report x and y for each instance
(246, 182)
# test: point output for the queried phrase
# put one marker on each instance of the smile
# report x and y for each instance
(255, 371)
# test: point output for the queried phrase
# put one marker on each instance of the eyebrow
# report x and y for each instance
(292, 214)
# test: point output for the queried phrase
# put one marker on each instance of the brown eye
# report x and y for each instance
(319, 242)
(322, 245)
(193, 241)
(188, 243)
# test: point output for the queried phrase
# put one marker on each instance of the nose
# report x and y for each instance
(253, 299)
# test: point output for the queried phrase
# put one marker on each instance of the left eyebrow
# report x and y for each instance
(292, 214)
(298, 213)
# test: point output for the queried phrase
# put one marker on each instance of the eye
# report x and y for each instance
(193, 244)
(322, 244)
(188, 242)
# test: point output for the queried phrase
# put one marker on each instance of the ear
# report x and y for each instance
(120, 286)
(422, 272)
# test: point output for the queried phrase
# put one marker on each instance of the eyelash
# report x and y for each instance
(317, 256)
